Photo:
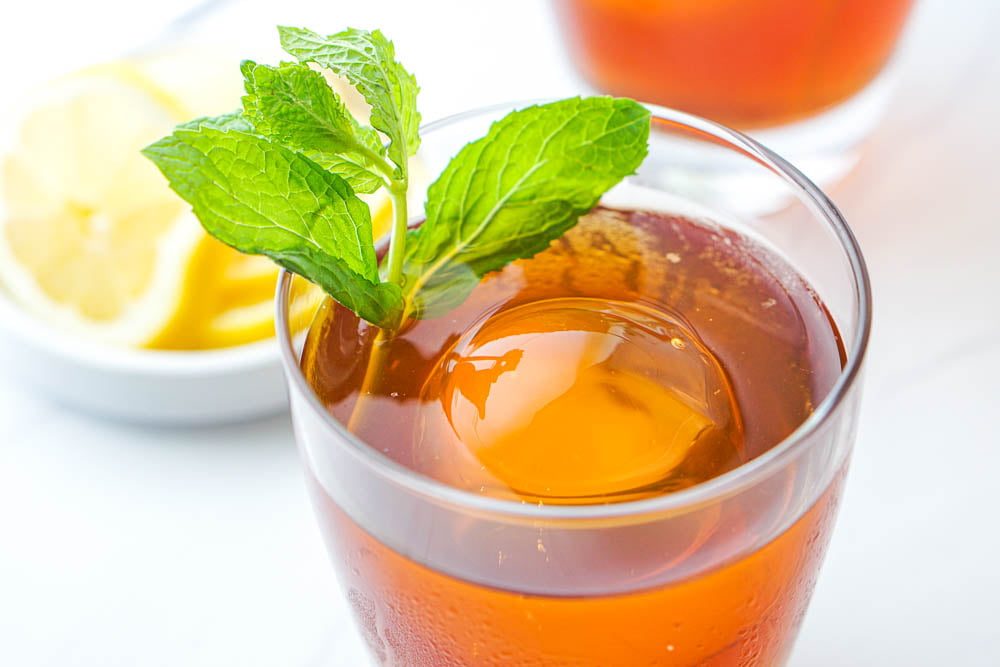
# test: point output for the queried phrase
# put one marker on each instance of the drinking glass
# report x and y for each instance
(809, 79)
(716, 574)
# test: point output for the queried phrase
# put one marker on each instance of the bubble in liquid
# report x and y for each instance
(571, 400)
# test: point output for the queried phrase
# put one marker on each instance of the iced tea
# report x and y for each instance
(641, 354)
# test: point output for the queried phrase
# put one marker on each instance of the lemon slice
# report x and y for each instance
(228, 299)
(93, 240)
(90, 239)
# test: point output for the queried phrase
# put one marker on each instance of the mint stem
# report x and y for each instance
(397, 240)
(379, 354)
(380, 163)
(394, 262)
(397, 191)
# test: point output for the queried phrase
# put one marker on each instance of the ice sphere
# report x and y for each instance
(567, 399)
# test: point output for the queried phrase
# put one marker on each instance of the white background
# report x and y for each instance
(123, 545)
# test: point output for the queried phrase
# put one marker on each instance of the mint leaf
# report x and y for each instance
(296, 107)
(227, 121)
(356, 172)
(265, 199)
(509, 194)
(357, 176)
(368, 61)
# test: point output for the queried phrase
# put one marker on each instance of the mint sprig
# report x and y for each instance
(280, 178)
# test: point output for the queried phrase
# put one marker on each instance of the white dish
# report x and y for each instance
(150, 386)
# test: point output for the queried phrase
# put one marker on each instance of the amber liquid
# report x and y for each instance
(639, 355)
(745, 63)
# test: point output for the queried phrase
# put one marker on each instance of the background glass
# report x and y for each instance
(808, 77)
(716, 573)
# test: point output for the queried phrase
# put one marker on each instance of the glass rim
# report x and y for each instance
(713, 490)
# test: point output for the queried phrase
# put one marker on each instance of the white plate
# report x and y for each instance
(149, 386)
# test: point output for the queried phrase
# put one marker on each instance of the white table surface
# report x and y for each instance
(123, 545)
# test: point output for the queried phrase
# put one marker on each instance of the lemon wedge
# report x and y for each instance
(227, 299)
(90, 239)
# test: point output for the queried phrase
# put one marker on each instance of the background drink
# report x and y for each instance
(492, 566)
(808, 79)
(744, 64)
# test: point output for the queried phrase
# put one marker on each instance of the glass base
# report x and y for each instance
(827, 146)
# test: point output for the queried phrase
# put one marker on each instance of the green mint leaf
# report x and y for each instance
(368, 61)
(511, 193)
(295, 106)
(351, 169)
(356, 172)
(264, 199)
(224, 122)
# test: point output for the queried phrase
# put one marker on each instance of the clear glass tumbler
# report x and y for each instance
(716, 574)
